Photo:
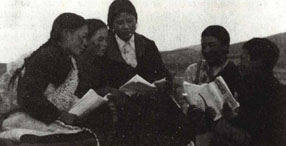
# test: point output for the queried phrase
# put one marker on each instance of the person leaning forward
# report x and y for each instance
(261, 117)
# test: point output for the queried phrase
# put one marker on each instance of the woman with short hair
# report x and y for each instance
(142, 120)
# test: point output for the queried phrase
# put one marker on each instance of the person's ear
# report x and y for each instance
(226, 49)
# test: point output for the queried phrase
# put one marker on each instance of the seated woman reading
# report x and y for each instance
(91, 64)
(146, 115)
(47, 83)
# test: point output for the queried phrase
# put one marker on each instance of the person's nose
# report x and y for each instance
(84, 43)
(125, 25)
(207, 49)
(104, 44)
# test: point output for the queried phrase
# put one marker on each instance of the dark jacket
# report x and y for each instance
(91, 72)
(50, 64)
(262, 109)
(143, 118)
(149, 63)
(231, 76)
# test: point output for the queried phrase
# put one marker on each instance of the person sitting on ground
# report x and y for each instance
(92, 75)
(215, 42)
(261, 118)
(46, 87)
(146, 115)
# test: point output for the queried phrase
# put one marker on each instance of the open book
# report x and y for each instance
(87, 103)
(138, 85)
(213, 94)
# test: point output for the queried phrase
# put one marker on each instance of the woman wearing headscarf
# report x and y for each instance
(46, 88)
(146, 121)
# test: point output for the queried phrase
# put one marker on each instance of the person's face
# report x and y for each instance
(77, 40)
(248, 66)
(213, 50)
(124, 25)
(98, 41)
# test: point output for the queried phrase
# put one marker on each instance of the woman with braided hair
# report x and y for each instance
(47, 83)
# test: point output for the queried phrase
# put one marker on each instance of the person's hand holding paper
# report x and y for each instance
(68, 118)
(90, 101)
(215, 94)
(161, 85)
(191, 94)
(103, 91)
(117, 97)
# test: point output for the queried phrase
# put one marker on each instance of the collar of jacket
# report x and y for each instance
(114, 53)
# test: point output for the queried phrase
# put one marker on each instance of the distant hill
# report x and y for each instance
(278, 39)
(2, 68)
(178, 60)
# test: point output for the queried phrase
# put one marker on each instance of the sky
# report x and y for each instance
(172, 24)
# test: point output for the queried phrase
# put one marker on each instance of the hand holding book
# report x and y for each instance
(215, 94)
(161, 85)
(118, 97)
(90, 101)
(68, 118)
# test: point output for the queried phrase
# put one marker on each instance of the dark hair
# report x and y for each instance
(264, 49)
(218, 32)
(65, 21)
(117, 7)
(93, 26)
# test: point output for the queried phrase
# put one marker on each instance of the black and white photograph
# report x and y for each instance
(142, 73)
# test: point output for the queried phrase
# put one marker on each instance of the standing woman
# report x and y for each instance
(47, 82)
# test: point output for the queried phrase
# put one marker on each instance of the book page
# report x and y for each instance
(159, 81)
(216, 94)
(213, 94)
(137, 85)
(192, 96)
(190, 88)
(211, 99)
(88, 102)
(138, 78)
(226, 93)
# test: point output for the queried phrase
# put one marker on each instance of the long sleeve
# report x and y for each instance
(156, 69)
(32, 87)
